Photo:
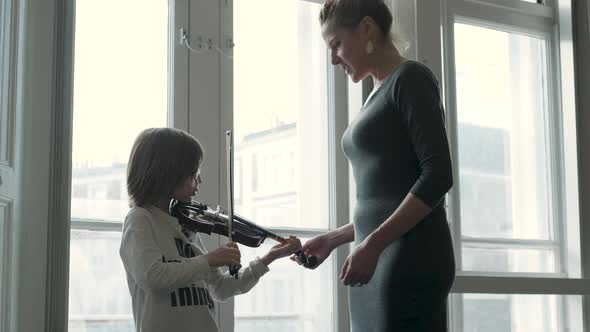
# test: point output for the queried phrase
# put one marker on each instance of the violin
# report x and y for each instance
(197, 217)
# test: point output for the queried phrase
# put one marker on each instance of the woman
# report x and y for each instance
(401, 267)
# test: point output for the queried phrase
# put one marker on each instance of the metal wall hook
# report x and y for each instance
(201, 45)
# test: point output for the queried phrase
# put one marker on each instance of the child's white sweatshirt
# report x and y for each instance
(171, 283)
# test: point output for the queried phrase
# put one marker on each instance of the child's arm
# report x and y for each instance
(222, 286)
(145, 262)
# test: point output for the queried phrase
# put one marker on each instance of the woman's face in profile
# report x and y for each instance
(347, 49)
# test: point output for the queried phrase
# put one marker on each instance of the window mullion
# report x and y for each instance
(554, 147)
(339, 180)
(178, 65)
(449, 90)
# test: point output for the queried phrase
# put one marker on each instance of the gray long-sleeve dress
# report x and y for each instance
(397, 144)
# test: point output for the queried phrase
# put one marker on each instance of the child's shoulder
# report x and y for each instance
(138, 213)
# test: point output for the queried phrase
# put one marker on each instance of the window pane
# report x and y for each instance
(521, 313)
(289, 298)
(503, 141)
(508, 259)
(99, 298)
(120, 88)
(281, 130)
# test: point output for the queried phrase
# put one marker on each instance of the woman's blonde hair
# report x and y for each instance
(161, 158)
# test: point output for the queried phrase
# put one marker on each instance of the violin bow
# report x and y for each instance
(229, 147)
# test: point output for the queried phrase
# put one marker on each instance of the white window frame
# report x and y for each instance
(8, 45)
(435, 48)
(195, 105)
(178, 89)
(40, 39)
(178, 62)
(177, 100)
(188, 114)
(210, 113)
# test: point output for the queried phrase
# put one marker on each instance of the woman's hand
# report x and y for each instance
(281, 250)
(320, 247)
(360, 265)
(223, 256)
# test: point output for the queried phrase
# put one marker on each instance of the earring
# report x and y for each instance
(369, 48)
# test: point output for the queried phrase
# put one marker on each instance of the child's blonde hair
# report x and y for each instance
(161, 158)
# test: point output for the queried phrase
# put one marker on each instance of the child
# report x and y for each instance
(171, 278)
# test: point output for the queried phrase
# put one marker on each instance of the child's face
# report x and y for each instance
(188, 187)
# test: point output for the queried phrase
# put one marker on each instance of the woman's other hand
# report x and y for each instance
(360, 265)
(319, 247)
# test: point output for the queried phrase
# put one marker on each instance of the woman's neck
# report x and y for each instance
(386, 62)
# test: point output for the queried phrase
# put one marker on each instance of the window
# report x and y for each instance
(122, 84)
(99, 298)
(238, 181)
(120, 88)
(254, 173)
(507, 208)
(501, 312)
(288, 298)
(285, 126)
(505, 188)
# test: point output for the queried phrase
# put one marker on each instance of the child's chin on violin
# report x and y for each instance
(172, 279)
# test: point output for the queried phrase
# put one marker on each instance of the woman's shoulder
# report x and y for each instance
(413, 77)
(411, 69)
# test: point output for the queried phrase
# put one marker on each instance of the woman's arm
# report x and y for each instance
(340, 236)
(409, 213)
(418, 101)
